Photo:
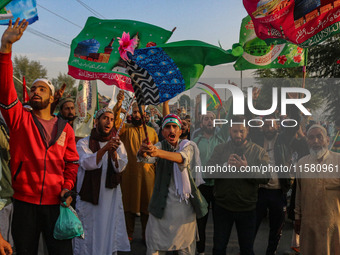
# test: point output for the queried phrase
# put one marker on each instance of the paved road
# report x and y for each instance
(138, 248)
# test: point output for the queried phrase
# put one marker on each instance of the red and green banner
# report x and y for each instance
(258, 55)
(115, 51)
(95, 55)
(302, 22)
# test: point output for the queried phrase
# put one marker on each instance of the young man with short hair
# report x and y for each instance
(44, 159)
(99, 205)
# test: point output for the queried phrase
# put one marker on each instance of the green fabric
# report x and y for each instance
(164, 171)
(4, 3)
(192, 56)
(239, 195)
(258, 55)
(104, 30)
(207, 146)
(6, 191)
(314, 40)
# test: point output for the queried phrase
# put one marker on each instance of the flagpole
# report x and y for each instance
(336, 137)
(20, 82)
(241, 79)
(144, 124)
(126, 114)
(304, 76)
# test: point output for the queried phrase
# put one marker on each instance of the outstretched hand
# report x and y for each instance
(147, 149)
(5, 247)
(12, 34)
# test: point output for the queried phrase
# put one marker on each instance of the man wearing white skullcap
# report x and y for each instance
(317, 210)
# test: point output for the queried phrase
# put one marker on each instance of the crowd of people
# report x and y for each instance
(149, 170)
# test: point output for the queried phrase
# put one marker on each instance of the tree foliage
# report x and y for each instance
(31, 69)
(324, 62)
(323, 66)
(184, 101)
(70, 90)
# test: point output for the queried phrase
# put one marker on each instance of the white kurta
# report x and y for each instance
(176, 230)
(104, 224)
(318, 206)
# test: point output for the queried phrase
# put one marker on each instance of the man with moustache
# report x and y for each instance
(185, 130)
(206, 141)
(99, 205)
(272, 197)
(235, 199)
(317, 211)
(44, 159)
(67, 110)
(176, 201)
(138, 178)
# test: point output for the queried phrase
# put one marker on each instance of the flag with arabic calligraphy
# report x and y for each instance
(161, 70)
(95, 55)
(258, 55)
(302, 22)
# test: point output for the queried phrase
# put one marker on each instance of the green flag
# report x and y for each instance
(4, 3)
(258, 55)
(167, 70)
(95, 55)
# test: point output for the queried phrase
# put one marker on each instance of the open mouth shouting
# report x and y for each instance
(172, 137)
(107, 129)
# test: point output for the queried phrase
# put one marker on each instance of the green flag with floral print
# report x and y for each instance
(258, 55)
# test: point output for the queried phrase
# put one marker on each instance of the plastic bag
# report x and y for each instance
(68, 224)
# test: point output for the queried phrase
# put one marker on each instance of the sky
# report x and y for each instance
(213, 21)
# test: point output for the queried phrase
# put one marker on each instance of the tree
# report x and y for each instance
(70, 90)
(184, 101)
(324, 63)
(31, 69)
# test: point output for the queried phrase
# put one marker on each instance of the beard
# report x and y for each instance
(102, 132)
(239, 142)
(270, 135)
(39, 105)
(184, 134)
(135, 122)
(70, 117)
(318, 153)
(207, 130)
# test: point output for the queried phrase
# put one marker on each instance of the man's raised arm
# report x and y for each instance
(117, 109)
(12, 34)
(8, 94)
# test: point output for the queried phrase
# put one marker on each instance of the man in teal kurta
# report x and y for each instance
(206, 141)
(6, 190)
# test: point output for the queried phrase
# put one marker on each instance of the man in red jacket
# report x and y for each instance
(44, 159)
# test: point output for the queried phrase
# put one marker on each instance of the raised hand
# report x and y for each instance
(112, 145)
(59, 93)
(120, 96)
(256, 93)
(12, 34)
(147, 149)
